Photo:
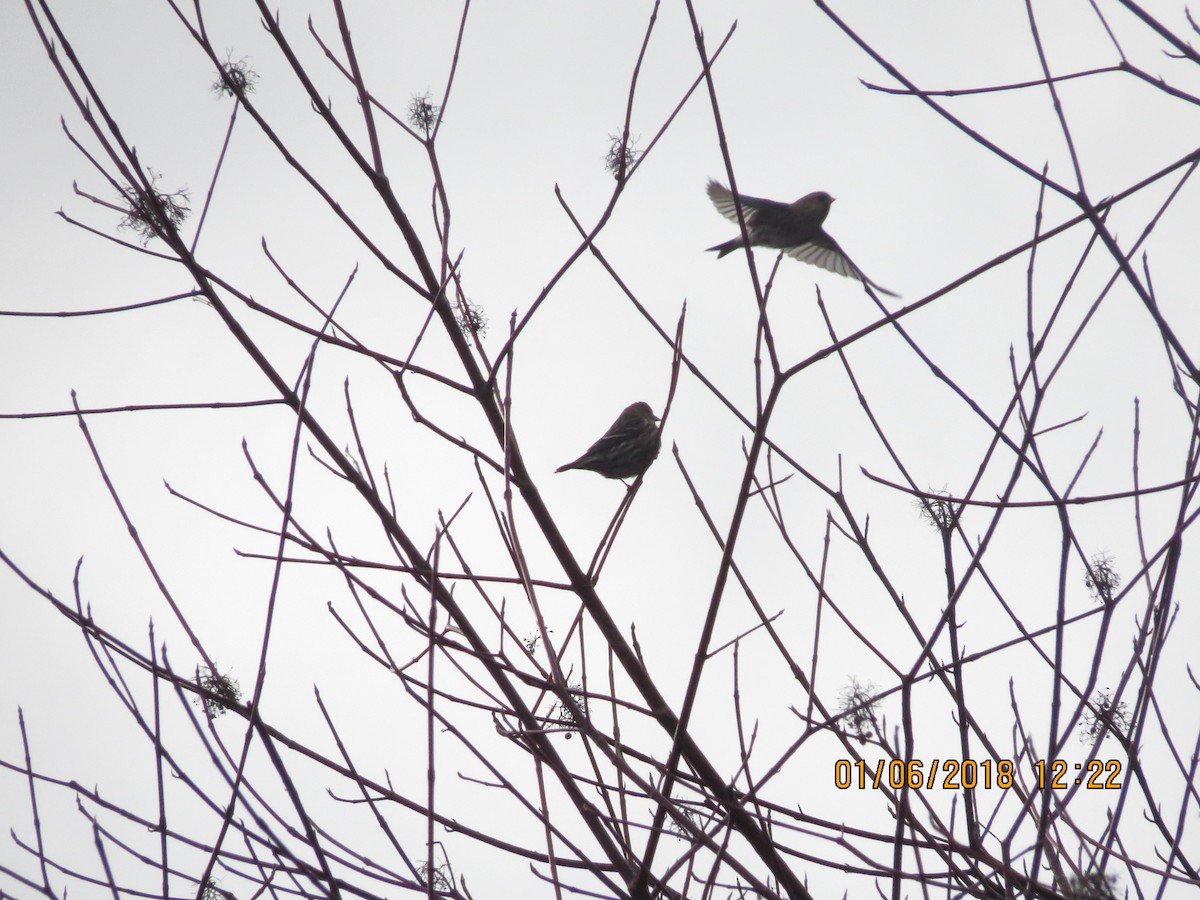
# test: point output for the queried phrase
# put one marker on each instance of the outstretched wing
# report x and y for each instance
(824, 252)
(723, 199)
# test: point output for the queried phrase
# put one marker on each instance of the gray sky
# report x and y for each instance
(540, 89)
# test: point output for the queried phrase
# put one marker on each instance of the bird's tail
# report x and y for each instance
(727, 247)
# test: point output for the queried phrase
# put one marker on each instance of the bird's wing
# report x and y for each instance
(611, 441)
(722, 199)
(823, 251)
(619, 433)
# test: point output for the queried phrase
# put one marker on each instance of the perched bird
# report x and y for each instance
(627, 448)
(794, 228)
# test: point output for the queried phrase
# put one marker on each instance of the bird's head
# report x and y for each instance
(815, 205)
(639, 411)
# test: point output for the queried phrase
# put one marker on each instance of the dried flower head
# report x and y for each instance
(153, 213)
(859, 708)
(621, 156)
(236, 79)
(1102, 716)
(423, 113)
(221, 693)
(471, 318)
(1101, 578)
(938, 510)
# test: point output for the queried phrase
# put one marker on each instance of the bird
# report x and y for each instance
(627, 449)
(794, 228)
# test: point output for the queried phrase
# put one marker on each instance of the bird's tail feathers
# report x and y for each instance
(727, 247)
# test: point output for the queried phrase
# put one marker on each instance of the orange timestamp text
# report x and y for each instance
(969, 774)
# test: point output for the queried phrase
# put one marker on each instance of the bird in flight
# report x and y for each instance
(627, 448)
(794, 228)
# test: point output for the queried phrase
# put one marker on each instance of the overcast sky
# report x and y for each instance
(540, 90)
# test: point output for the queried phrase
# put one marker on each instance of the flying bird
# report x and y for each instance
(626, 449)
(794, 228)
